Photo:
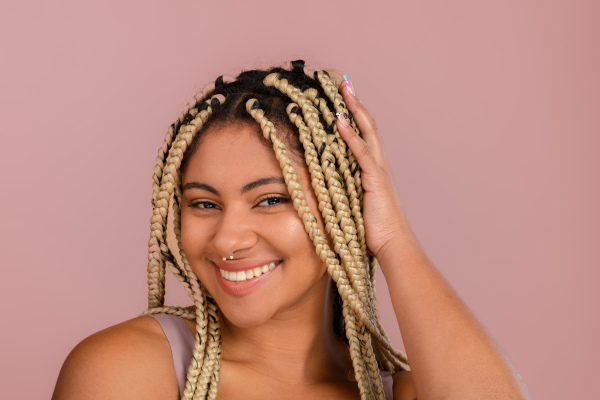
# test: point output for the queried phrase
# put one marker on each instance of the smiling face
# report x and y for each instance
(235, 201)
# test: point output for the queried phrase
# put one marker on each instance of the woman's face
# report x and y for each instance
(235, 200)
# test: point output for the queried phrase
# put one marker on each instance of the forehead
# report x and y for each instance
(231, 152)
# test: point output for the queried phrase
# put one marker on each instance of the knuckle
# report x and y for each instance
(364, 148)
(372, 124)
(352, 105)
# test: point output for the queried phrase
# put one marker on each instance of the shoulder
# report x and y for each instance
(129, 360)
(404, 387)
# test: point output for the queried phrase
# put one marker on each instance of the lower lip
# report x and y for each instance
(244, 288)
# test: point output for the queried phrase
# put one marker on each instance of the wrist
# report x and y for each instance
(397, 251)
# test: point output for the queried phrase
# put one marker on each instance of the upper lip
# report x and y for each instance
(242, 265)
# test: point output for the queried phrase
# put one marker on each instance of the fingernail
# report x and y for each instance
(349, 85)
(340, 116)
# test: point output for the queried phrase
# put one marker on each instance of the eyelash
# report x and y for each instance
(282, 200)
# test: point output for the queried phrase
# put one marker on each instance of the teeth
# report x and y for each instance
(241, 276)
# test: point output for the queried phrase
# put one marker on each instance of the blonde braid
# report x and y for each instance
(296, 95)
(390, 360)
(330, 88)
(372, 366)
(158, 249)
(359, 349)
(318, 180)
(180, 311)
(347, 165)
(213, 347)
(215, 355)
(195, 367)
(170, 180)
(345, 248)
(360, 371)
(200, 372)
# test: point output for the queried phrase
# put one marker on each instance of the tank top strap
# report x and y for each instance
(388, 384)
(181, 341)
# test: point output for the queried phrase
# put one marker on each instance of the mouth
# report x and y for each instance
(244, 282)
(248, 274)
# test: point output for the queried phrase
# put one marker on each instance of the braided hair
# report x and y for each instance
(303, 104)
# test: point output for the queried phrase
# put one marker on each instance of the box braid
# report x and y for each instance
(303, 104)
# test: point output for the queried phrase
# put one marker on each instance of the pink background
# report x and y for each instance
(490, 113)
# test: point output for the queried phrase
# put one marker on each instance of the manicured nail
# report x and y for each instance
(340, 116)
(349, 85)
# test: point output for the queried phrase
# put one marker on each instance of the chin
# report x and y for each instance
(244, 318)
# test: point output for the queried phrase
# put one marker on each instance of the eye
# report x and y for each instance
(203, 205)
(273, 200)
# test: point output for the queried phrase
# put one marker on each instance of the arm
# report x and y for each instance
(451, 354)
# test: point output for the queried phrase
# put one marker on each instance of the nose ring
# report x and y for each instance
(230, 257)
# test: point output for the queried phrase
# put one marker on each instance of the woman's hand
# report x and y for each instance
(451, 354)
(385, 220)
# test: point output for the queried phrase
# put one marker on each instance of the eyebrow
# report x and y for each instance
(246, 188)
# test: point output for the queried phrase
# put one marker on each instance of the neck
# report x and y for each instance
(296, 344)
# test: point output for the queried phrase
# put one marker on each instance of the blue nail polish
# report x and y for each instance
(349, 85)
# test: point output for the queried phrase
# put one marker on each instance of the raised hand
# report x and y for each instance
(450, 352)
(385, 220)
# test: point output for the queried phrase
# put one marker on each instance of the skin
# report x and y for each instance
(278, 341)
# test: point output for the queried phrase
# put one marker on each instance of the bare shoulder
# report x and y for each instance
(404, 387)
(130, 360)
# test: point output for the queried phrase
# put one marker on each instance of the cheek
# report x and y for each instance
(292, 237)
(192, 237)
(287, 233)
(195, 239)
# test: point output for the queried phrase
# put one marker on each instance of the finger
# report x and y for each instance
(359, 147)
(364, 121)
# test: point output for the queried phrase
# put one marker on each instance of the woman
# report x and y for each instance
(253, 166)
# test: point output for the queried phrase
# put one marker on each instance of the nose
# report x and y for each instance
(234, 233)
